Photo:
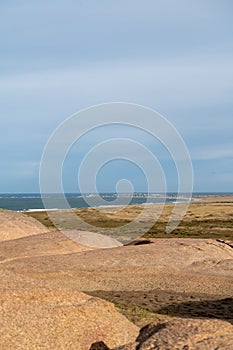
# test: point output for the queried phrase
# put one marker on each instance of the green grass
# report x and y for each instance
(138, 315)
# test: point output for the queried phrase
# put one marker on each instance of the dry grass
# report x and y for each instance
(204, 219)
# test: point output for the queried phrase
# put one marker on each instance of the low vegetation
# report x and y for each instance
(202, 220)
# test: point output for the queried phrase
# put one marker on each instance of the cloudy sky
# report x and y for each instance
(174, 56)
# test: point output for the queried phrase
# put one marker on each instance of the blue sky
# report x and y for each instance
(57, 57)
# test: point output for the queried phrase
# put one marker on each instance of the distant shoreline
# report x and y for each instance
(30, 202)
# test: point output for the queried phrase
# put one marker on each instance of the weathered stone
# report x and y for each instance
(184, 334)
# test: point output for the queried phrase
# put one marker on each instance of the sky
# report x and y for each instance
(173, 56)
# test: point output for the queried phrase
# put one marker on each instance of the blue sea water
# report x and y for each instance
(33, 201)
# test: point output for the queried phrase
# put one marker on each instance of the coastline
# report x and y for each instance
(33, 202)
(209, 217)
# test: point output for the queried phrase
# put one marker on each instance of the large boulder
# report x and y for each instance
(175, 265)
(181, 334)
(15, 225)
(40, 318)
(186, 334)
(49, 243)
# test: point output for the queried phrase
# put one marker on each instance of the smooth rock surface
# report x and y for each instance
(15, 225)
(92, 239)
(39, 318)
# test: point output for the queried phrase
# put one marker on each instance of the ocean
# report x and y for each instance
(33, 201)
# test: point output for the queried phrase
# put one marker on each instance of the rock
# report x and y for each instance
(14, 225)
(49, 243)
(227, 242)
(204, 264)
(41, 318)
(100, 345)
(92, 239)
(184, 334)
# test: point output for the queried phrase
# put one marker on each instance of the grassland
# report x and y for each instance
(204, 219)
